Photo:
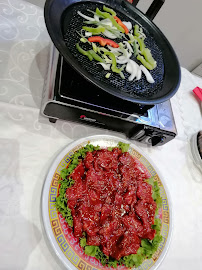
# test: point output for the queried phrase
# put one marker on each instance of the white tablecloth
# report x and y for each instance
(29, 143)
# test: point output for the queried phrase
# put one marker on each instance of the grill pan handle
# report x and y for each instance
(152, 10)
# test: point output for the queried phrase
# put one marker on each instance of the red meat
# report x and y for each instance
(93, 240)
(77, 226)
(144, 192)
(111, 203)
(88, 161)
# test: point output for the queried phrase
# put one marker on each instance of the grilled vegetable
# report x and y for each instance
(95, 31)
(132, 68)
(111, 18)
(103, 41)
(144, 62)
(96, 56)
(107, 75)
(121, 24)
(109, 10)
(135, 48)
(141, 43)
(148, 57)
(110, 26)
(84, 52)
(113, 58)
(136, 30)
(85, 17)
(147, 74)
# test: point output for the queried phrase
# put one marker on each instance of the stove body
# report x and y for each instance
(68, 96)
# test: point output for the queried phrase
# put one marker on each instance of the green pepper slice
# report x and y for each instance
(110, 17)
(148, 57)
(113, 58)
(144, 62)
(141, 43)
(94, 31)
(96, 56)
(135, 48)
(136, 30)
(109, 10)
(84, 52)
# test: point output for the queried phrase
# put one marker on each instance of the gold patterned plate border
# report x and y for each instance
(59, 234)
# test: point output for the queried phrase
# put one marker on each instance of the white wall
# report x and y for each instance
(181, 23)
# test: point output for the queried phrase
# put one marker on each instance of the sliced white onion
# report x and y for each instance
(129, 55)
(142, 36)
(132, 68)
(122, 61)
(128, 46)
(109, 34)
(96, 17)
(139, 74)
(88, 34)
(129, 67)
(121, 57)
(112, 49)
(105, 66)
(107, 60)
(135, 70)
(128, 25)
(107, 22)
(147, 74)
(85, 17)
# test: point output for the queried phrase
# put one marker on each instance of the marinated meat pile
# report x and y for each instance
(111, 203)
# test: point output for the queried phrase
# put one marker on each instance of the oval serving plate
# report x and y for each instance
(60, 235)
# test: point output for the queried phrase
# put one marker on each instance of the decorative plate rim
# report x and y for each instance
(45, 193)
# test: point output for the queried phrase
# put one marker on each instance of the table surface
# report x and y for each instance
(29, 144)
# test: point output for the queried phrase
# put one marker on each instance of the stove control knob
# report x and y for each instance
(156, 140)
(137, 132)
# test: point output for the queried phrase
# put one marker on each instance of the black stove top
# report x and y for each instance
(76, 88)
(69, 96)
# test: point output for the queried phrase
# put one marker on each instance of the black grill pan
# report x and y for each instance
(63, 22)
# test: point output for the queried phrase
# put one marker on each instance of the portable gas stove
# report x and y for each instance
(68, 96)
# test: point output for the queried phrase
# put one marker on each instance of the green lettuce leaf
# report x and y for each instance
(61, 201)
(123, 146)
(155, 193)
(83, 242)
